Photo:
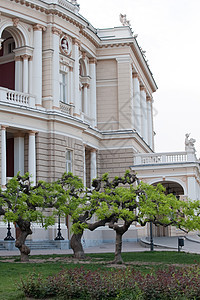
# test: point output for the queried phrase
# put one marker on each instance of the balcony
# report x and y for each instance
(67, 108)
(16, 98)
(164, 158)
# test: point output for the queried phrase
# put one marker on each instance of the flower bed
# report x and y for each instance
(171, 283)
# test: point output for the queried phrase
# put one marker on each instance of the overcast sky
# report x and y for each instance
(169, 31)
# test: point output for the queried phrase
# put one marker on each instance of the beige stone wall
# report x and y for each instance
(107, 108)
(51, 159)
(124, 95)
(115, 162)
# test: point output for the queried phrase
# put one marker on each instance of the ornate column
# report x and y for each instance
(93, 92)
(93, 165)
(192, 187)
(144, 113)
(77, 101)
(150, 122)
(30, 74)
(32, 157)
(85, 97)
(71, 97)
(3, 156)
(18, 73)
(56, 67)
(136, 103)
(37, 63)
(19, 154)
(25, 81)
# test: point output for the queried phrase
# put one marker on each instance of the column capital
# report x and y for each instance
(93, 150)
(142, 88)
(135, 75)
(39, 27)
(86, 85)
(149, 99)
(25, 56)
(32, 132)
(70, 68)
(18, 58)
(3, 127)
(76, 42)
(56, 31)
(93, 60)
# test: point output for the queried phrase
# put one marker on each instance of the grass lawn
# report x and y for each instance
(12, 272)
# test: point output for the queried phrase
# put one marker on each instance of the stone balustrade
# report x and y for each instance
(67, 108)
(17, 98)
(164, 158)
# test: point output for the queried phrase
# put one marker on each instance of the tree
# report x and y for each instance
(23, 203)
(125, 202)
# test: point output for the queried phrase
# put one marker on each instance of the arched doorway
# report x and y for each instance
(170, 188)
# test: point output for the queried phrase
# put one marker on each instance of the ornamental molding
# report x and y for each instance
(66, 45)
(15, 22)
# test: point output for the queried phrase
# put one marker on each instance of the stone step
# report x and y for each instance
(41, 245)
(2, 247)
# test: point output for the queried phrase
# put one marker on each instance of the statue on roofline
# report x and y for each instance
(124, 20)
(74, 2)
(189, 143)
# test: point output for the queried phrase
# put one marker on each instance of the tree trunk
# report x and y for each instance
(25, 230)
(118, 248)
(76, 246)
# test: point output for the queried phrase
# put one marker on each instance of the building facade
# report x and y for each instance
(72, 98)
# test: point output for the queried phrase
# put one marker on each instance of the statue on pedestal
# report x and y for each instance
(189, 143)
(124, 20)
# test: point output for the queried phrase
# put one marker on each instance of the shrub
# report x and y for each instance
(126, 284)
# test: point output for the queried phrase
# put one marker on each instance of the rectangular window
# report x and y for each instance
(63, 87)
(68, 161)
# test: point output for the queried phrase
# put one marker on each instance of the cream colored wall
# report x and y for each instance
(51, 159)
(115, 161)
(107, 108)
(124, 94)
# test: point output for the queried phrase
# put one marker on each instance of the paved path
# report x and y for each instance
(192, 245)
